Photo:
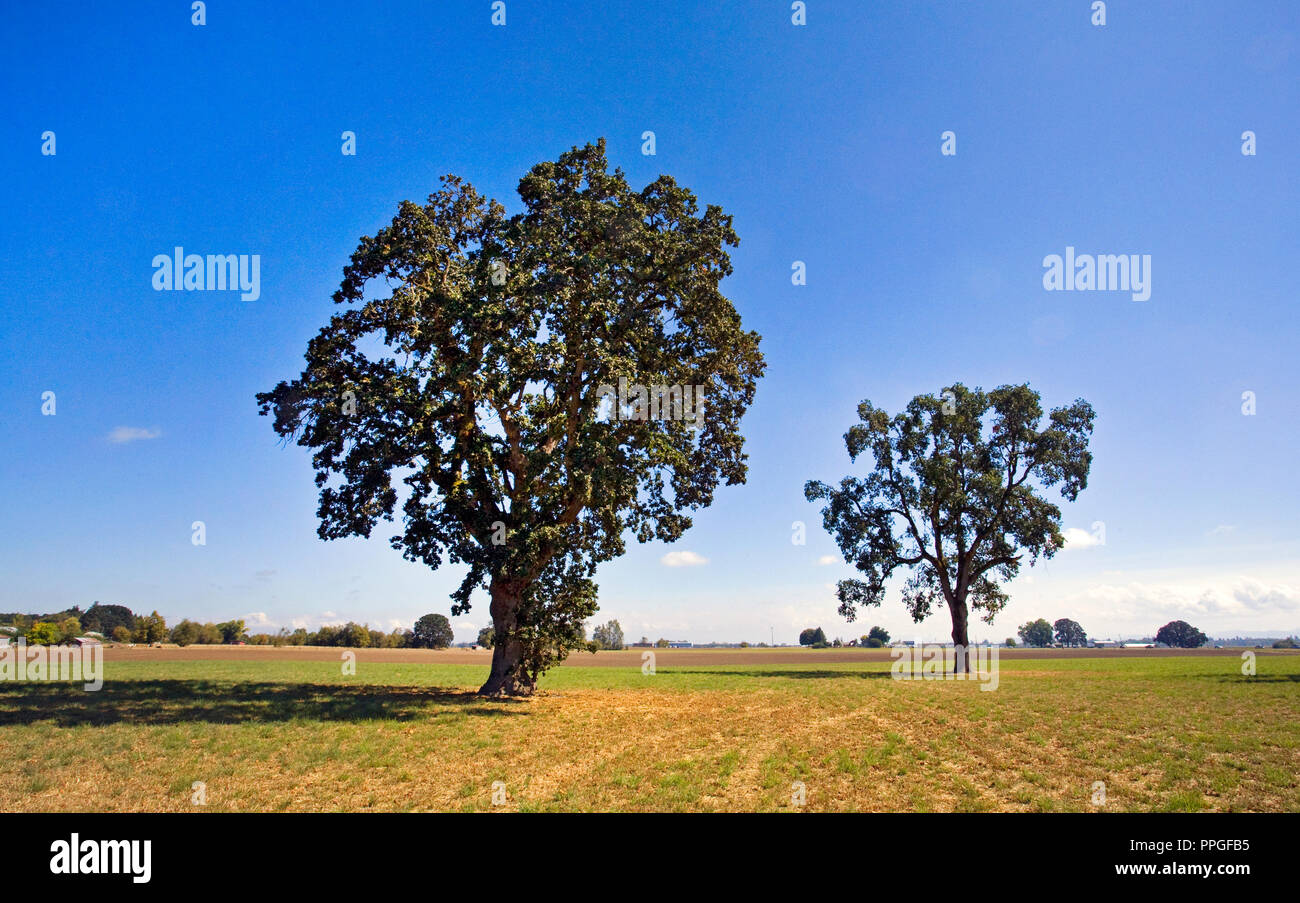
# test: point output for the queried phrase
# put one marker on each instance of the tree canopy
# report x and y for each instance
(812, 636)
(104, 618)
(608, 636)
(1069, 633)
(1036, 633)
(1181, 635)
(433, 631)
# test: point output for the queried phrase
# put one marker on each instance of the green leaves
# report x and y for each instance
(1036, 633)
(1181, 635)
(954, 496)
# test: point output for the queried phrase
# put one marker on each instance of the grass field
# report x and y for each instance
(273, 732)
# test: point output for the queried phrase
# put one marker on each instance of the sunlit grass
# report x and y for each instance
(1172, 733)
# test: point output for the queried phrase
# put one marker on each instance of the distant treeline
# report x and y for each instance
(119, 624)
(351, 634)
(108, 621)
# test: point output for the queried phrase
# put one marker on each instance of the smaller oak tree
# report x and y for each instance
(954, 497)
(1069, 633)
(1181, 635)
(433, 631)
(1036, 633)
(812, 636)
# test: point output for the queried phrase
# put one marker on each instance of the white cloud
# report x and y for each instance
(1222, 530)
(256, 619)
(1078, 538)
(683, 559)
(827, 559)
(315, 622)
(1234, 605)
(1256, 596)
(121, 434)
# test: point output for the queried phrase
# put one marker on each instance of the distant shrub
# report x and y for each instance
(151, 628)
(608, 636)
(354, 635)
(42, 633)
(811, 636)
(232, 632)
(185, 633)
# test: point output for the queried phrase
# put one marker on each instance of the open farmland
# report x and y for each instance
(269, 729)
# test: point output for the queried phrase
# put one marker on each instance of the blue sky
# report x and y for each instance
(823, 141)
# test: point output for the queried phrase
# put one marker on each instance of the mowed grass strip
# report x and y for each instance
(1162, 733)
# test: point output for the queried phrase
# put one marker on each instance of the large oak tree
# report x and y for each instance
(954, 498)
(463, 381)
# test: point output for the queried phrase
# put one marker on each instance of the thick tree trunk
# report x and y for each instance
(960, 638)
(508, 677)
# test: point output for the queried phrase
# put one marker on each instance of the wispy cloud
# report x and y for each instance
(827, 559)
(1223, 598)
(121, 434)
(1221, 530)
(683, 559)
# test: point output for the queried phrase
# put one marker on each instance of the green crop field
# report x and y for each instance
(283, 734)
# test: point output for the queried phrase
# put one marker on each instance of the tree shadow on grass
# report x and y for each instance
(768, 672)
(66, 704)
(1258, 679)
